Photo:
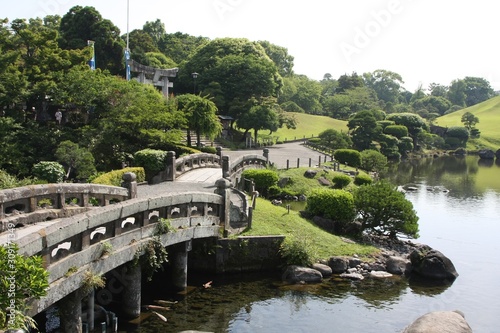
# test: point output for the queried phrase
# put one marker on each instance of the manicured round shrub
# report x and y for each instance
(152, 160)
(372, 160)
(52, 172)
(348, 156)
(363, 179)
(337, 205)
(263, 178)
(398, 131)
(341, 180)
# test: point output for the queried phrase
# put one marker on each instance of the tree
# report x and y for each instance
(201, 114)
(155, 30)
(456, 93)
(335, 139)
(438, 90)
(76, 158)
(21, 278)
(383, 209)
(259, 117)
(179, 46)
(49, 171)
(457, 136)
(347, 82)
(241, 70)
(477, 90)
(364, 129)
(413, 122)
(469, 120)
(386, 84)
(82, 24)
(280, 56)
(433, 104)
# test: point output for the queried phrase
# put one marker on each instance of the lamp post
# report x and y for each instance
(194, 76)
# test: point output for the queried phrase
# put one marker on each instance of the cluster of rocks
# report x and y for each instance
(396, 257)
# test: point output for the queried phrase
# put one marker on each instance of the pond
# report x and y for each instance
(458, 203)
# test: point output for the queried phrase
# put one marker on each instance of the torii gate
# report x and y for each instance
(160, 76)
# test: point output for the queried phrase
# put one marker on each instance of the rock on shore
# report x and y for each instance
(440, 322)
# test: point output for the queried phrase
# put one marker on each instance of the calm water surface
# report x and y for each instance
(463, 223)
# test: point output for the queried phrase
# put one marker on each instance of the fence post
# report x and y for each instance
(310, 162)
(319, 160)
(130, 183)
(287, 164)
(298, 162)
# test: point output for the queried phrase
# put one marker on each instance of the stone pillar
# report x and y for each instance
(225, 166)
(223, 188)
(179, 265)
(70, 312)
(131, 295)
(130, 183)
(170, 169)
(266, 155)
(90, 310)
(219, 151)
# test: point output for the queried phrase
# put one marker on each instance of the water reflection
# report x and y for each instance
(464, 176)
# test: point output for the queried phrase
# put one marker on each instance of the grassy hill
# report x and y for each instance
(307, 126)
(488, 113)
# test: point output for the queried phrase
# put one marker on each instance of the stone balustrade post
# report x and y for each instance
(219, 151)
(224, 189)
(170, 169)
(225, 166)
(130, 183)
(266, 155)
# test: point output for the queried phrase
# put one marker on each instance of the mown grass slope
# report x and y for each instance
(488, 113)
(269, 219)
(308, 125)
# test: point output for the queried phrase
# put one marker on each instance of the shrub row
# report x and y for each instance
(114, 178)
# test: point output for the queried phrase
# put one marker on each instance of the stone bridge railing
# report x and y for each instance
(36, 203)
(71, 246)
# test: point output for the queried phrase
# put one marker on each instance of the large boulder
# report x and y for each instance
(298, 274)
(325, 270)
(310, 173)
(398, 265)
(497, 154)
(440, 322)
(486, 154)
(338, 264)
(432, 264)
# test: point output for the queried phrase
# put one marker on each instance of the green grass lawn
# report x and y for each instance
(269, 219)
(488, 113)
(307, 126)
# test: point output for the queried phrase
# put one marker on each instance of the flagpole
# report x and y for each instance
(127, 50)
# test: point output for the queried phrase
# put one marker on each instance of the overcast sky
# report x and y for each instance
(424, 41)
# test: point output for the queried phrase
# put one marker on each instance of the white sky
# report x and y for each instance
(424, 41)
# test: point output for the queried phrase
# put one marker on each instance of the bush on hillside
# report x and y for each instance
(372, 160)
(263, 178)
(362, 179)
(337, 205)
(152, 160)
(348, 156)
(341, 180)
(52, 172)
(114, 178)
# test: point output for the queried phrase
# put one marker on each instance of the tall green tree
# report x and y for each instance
(386, 84)
(456, 93)
(280, 56)
(240, 70)
(82, 24)
(202, 117)
(364, 129)
(477, 90)
(262, 116)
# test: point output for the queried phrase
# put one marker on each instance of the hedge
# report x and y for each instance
(114, 178)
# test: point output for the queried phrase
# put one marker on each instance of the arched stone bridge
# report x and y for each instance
(80, 223)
